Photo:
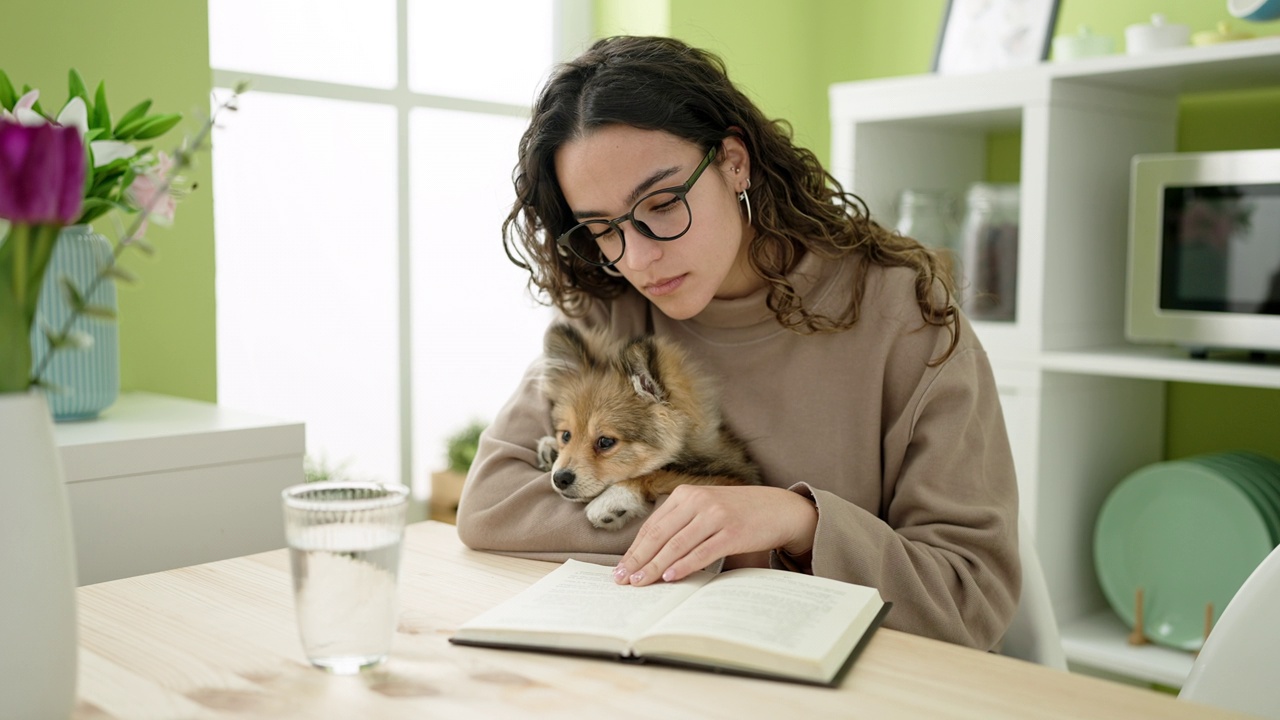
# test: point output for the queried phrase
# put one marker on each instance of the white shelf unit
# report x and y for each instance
(1084, 407)
(158, 482)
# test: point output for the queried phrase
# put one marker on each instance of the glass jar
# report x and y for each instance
(928, 216)
(988, 282)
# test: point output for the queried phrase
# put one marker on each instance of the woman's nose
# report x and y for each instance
(641, 251)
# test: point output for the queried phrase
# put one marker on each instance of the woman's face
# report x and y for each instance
(604, 173)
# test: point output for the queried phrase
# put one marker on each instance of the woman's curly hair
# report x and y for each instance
(658, 83)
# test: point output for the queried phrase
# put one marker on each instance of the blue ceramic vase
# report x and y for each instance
(80, 382)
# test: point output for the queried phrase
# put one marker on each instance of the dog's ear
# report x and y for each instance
(640, 361)
(566, 351)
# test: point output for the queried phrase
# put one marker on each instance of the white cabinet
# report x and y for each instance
(1084, 407)
(158, 482)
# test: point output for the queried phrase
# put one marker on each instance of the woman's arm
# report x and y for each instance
(945, 546)
(508, 504)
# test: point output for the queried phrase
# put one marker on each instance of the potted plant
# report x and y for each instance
(446, 485)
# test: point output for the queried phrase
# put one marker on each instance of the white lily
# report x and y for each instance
(76, 114)
(24, 114)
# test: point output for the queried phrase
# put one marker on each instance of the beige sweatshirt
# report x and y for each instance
(909, 465)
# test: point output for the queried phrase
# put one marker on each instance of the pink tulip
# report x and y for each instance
(42, 170)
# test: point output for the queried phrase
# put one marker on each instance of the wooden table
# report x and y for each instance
(220, 641)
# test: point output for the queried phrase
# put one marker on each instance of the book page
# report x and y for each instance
(579, 600)
(781, 613)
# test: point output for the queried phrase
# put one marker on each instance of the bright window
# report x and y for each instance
(359, 195)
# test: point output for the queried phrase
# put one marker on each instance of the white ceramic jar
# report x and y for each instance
(1081, 45)
(1154, 36)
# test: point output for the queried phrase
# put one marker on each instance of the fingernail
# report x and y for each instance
(669, 575)
(637, 578)
(619, 572)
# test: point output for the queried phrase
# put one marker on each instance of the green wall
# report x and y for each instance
(156, 49)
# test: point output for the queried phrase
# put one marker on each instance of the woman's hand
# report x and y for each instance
(700, 524)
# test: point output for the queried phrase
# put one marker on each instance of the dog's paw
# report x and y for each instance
(547, 453)
(615, 507)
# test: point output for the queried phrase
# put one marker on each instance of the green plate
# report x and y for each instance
(1187, 536)
(1252, 481)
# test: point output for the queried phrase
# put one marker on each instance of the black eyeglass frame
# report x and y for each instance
(681, 191)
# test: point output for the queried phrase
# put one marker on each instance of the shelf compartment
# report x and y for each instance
(1101, 641)
(1165, 363)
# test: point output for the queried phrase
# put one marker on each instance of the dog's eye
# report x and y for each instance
(604, 443)
(564, 437)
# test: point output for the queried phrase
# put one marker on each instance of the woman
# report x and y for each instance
(860, 390)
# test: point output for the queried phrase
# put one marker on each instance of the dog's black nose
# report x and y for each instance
(563, 478)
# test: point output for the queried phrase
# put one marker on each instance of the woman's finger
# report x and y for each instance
(658, 529)
(688, 545)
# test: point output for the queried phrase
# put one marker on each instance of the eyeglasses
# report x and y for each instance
(661, 215)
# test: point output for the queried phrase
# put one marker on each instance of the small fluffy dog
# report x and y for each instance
(633, 419)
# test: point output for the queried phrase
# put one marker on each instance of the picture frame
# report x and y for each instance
(983, 35)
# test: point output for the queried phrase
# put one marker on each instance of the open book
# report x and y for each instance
(751, 621)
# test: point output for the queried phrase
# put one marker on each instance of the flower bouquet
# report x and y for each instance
(69, 169)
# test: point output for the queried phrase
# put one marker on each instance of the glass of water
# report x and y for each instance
(344, 547)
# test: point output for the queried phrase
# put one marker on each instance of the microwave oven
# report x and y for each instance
(1204, 251)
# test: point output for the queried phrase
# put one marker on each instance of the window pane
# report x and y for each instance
(305, 209)
(475, 328)
(340, 41)
(495, 50)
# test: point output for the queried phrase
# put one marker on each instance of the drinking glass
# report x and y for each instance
(344, 548)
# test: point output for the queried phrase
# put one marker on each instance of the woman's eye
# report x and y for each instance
(604, 443)
(564, 437)
(663, 203)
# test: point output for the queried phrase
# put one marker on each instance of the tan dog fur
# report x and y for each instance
(632, 419)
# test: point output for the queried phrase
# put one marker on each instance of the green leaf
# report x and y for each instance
(137, 112)
(125, 131)
(96, 203)
(115, 272)
(74, 298)
(157, 126)
(76, 87)
(106, 180)
(48, 387)
(104, 190)
(73, 340)
(101, 115)
(98, 312)
(92, 135)
(89, 216)
(8, 96)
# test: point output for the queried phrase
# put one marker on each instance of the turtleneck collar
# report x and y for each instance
(812, 279)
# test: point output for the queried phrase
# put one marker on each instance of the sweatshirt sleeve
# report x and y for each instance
(944, 549)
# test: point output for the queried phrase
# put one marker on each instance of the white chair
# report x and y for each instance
(1033, 635)
(1238, 667)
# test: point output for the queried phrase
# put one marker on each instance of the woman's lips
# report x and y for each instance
(665, 286)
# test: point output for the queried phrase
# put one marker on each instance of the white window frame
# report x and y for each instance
(572, 32)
